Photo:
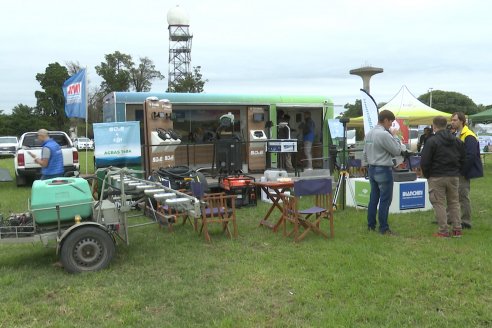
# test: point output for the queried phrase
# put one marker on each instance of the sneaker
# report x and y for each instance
(457, 234)
(441, 234)
(371, 229)
(465, 225)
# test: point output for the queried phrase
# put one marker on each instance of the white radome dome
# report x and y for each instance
(177, 16)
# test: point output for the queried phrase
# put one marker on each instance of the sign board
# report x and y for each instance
(282, 146)
(412, 195)
(117, 144)
(362, 193)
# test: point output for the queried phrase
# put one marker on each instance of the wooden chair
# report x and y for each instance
(215, 208)
(310, 218)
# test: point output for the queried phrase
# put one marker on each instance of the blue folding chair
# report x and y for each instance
(310, 218)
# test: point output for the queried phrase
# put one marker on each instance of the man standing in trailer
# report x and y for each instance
(307, 128)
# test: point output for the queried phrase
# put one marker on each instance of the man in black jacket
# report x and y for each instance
(442, 160)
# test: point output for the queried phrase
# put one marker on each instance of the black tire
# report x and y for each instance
(87, 249)
(20, 181)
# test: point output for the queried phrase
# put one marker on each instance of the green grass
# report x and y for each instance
(261, 279)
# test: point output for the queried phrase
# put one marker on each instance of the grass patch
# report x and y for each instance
(358, 279)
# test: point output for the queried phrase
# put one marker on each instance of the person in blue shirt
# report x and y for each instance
(51, 160)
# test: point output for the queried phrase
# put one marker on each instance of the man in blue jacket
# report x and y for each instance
(51, 160)
(471, 169)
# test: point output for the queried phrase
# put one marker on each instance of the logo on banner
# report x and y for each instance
(362, 193)
(74, 93)
(412, 195)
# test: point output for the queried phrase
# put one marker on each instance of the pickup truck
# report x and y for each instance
(24, 165)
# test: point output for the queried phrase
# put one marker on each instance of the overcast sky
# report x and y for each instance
(251, 46)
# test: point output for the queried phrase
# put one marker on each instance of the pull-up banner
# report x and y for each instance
(369, 111)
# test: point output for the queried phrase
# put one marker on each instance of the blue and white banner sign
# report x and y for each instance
(336, 128)
(369, 111)
(412, 195)
(74, 92)
(117, 144)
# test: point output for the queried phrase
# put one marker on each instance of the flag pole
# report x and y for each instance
(86, 119)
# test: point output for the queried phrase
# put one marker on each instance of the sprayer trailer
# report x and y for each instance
(63, 213)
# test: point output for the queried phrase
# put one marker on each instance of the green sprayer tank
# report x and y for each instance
(73, 195)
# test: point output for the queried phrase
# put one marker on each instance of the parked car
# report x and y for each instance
(24, 164)
(8, 145)
(83, 143)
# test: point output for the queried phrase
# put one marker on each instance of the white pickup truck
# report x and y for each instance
(26, 168)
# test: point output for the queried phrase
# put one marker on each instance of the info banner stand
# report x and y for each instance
(408, 196)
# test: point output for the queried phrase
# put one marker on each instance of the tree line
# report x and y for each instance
(118, 72)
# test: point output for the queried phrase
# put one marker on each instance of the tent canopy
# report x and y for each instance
(406, 107)
(483, 117)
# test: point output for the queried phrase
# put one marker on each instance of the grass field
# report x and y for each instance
(261, 279)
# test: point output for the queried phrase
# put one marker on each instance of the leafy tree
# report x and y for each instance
(482, 108)
(450, 102)
(141, 76)
(23, 119)
(5, 125)
(190, 83)
(115, 72)
(95, 105)
(73, 67)
(51, 102)
(353, 110)
(120, 74)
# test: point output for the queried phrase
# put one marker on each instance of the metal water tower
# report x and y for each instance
(179, 44)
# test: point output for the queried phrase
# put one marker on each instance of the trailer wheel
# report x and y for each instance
(87, 249)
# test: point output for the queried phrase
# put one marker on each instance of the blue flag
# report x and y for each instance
(74, 92)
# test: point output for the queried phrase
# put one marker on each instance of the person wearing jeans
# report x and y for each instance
(381, 180)
(380, 146)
